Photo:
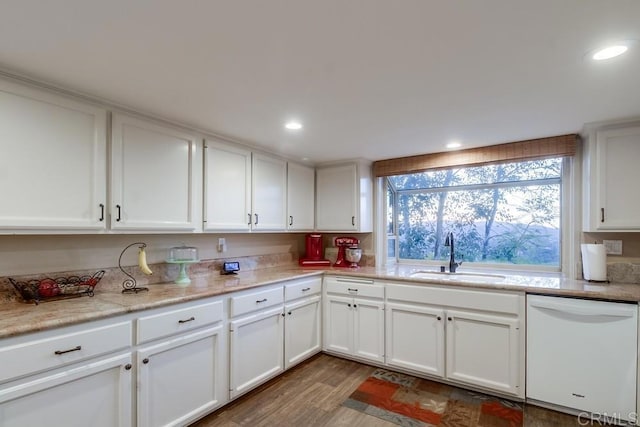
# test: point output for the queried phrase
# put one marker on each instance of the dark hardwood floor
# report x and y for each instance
(311, 394)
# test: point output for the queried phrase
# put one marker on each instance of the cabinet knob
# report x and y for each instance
(127, 366)
(283, 314)
(355, 305)
(289, 313)
(439, 318)
(145, 360)
(449, 319)
(348, 305)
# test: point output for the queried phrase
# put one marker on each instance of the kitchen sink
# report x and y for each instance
(464, 277)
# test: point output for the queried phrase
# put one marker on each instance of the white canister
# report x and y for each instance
(594, 262)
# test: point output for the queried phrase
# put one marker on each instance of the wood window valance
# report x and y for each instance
(532, 149)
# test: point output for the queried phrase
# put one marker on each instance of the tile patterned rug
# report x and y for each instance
(409, 401)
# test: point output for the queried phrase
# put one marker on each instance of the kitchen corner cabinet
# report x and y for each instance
(303, 320)
(243, 191)
(354, 318)
(344, 198)
(53, 162)
(300, 197)
(155, 176)
(467, 336)
(610, 166)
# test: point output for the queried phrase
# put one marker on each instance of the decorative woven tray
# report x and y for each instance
(59, 288)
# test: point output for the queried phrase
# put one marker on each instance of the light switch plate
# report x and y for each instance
(614, 247)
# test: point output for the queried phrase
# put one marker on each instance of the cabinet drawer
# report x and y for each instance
(61, 349)
(354, 287)
(176, 321)
(256, 301)
(302, 288)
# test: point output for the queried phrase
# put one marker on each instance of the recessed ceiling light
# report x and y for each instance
(609, 52)
(454, 145)
(293, 125)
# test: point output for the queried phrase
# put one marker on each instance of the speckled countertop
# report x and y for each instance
(19, 317)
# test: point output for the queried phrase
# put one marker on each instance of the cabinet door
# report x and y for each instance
(269, 181)
(337, 198)
(182, 379)
(155, 176)
(227, 187)
(302, 330)
(618, 151)
(415, 338)
(256, 349)
(483, 350)
(338, 324)
(300, 197)
(91, 394)
(368, 330)
(53, 162)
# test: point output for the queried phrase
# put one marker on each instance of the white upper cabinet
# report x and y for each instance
(53, 161)
(155, 175)
(268, 184)
(227, 187)
(344, 198)
(611, 168)
(243, 191)
(300, 197)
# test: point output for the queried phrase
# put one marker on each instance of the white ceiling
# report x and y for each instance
(368, 78)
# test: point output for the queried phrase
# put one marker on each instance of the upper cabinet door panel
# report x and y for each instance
(53, 162)
(300, 197)
(227, 187)
(336, 198)
(154, 179)
(269, 182)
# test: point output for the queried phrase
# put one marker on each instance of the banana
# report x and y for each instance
(142, 262)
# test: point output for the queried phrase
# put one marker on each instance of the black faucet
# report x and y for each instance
(453, 265)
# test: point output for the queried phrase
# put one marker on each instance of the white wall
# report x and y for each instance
(46, 254)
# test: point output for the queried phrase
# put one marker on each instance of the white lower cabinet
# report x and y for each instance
(88, 394)
(303, 320)
(422, 351)
(181, 379)
(181, 363)
(462, 335)
(354, 318)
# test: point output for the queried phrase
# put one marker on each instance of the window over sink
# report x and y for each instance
(500, 214)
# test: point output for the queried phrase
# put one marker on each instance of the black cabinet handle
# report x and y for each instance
(283, 314)
(145, 360)
(59, 352)
(353, 221)
(348, 305)
(449, 319)
(262, 300)
(352, 289)
(187, 320)
(439, 318)
(118, 217)
(289, 313)
(306, 289)
(101, 212)
(290, 219)
(256, 222)
(601, 214)
(127, 366)
(355, 305)
(249, 223)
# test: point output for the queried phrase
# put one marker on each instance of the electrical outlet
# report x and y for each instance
(222, 244)
(614, 247)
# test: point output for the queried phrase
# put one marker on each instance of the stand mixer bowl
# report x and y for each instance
(353, 255)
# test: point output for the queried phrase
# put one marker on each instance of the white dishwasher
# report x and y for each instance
(582, 354)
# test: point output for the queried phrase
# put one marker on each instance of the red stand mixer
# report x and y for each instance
(314, 253)
(348, 252)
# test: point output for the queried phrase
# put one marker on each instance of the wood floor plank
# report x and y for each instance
(311, 394)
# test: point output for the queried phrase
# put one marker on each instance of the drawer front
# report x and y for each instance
(255, 301)
(62, 349)
(302, 288)
(177, 321)
(501, 302)
(354, 287)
